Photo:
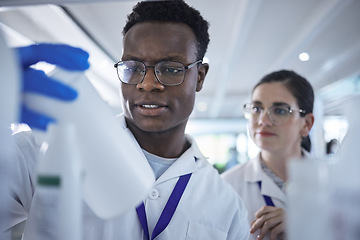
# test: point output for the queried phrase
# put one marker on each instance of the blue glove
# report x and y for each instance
(37, 81)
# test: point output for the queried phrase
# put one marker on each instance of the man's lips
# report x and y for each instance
(149, 106)
(150, 109)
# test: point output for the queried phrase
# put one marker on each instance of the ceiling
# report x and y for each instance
(248, 39)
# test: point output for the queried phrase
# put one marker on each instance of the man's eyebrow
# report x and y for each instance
(166, 58)
(173, 58)
(129, 57)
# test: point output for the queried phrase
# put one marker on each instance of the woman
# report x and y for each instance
(280, 116)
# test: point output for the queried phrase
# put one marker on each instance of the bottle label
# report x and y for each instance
(50, 181)
(47, 209)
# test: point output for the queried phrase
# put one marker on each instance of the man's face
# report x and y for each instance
(149, 105)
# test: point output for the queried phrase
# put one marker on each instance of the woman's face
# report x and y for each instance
(284, 138)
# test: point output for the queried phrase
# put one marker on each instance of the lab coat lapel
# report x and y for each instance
(184, 165)
(268, 187)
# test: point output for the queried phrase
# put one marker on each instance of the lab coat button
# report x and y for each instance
(154, 194)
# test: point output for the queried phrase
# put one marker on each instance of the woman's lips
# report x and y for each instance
(265, 134)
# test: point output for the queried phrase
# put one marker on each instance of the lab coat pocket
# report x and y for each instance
(198, 231)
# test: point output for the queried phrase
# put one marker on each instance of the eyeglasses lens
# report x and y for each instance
(130, 72)
(168, 73)
(277, 114)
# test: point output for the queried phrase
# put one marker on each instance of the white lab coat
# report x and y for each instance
(244, 178)
(208, 209)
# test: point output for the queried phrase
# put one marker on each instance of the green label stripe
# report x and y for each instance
(49, 181)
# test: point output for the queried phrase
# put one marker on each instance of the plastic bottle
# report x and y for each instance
(10, 96)
(344, 192)
(307, 199)
(56, 210)
(117, 174)
(9, 111)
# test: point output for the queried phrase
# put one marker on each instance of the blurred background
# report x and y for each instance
(248, 39)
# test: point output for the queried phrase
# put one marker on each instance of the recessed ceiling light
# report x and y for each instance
(304, 57)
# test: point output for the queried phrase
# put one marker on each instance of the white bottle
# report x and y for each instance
(344, 195)
(9, 110)
(307, 206)
(117, 174)
(10, 86)
(56, 210)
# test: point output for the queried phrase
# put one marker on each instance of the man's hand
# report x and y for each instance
(37, 81)
(269, 220)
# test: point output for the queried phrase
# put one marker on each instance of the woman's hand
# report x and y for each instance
(269, 220)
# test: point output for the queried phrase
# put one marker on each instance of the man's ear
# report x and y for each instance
(309, 122)
(203, 69)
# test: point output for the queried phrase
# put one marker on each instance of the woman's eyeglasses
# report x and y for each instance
(278, 115)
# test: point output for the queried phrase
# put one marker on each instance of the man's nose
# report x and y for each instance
(150, 82)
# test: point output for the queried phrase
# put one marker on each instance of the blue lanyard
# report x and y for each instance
(168, 211)
(267, 199)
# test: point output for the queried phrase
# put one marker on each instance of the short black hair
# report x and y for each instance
(300, 88)
(172, 11)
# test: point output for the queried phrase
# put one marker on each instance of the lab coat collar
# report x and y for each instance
(121, 119)
(185, 164)
(254, 173)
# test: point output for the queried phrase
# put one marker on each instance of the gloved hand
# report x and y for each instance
(37, 81)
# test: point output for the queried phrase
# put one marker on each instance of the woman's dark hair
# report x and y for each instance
(172, 11)
(296, 84)
(306, 143)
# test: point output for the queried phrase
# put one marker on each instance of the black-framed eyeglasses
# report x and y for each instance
(278, 114)
(168, 73)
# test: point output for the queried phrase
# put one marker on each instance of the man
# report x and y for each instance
(160, 72)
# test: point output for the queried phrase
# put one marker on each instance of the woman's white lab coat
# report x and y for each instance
(208, 209)
(244, 178)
